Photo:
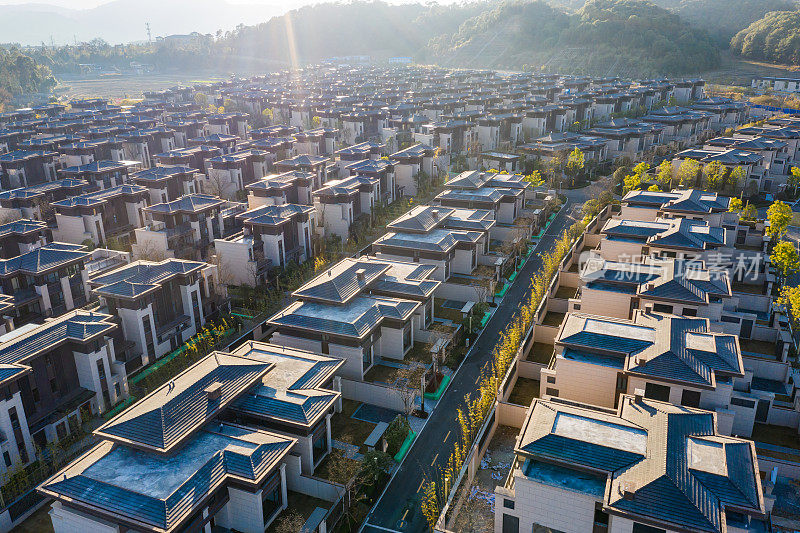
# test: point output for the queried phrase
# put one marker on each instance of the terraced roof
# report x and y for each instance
(666, 464)
(19, 347)
(667, 347)
(141, 277)
(354, 319)
(163, 419)
(43, 259)
(160, 492)
(291, 391)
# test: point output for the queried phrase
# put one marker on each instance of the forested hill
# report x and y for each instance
(629, 37)
(721, 18)
(20, 74)
(774, 38)
(355, 28)
(647, 39)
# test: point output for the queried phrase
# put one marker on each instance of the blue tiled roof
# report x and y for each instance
(355, 319)
(170, 414)
(42, 259)
(22, 226)
(660, 346)
(100, 197)
(272, 215)
(162, 491)
(160, 173)
(141, 277)
(190, 203)
(664, 463)
(75, 326)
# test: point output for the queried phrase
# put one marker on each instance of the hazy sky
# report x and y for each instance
(288, 4)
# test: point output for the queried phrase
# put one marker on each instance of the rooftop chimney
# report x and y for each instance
(638, 395)
(361, 274)
(213, 391)
(628, 490)
(435, 214)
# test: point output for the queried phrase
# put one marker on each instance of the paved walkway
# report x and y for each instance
(399, 509)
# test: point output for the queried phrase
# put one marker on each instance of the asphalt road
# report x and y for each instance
(399, 510)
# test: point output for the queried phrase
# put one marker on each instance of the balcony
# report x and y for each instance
(293, 255)
(173, 324)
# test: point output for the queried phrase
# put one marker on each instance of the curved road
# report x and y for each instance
(398, 509)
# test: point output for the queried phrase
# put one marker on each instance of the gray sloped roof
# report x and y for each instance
(687, 281)
(469, 179)
(437, 240)
(675, 469)
(659, 346)
(340, 283)
(420, 219)
(291, 391)
(273, 215)
(354, 319)
(692, 234)
(75, 326)
(45, 258)
(163, 491)
(136, 279)
(190, 203)
(695, 201)
(167, 416)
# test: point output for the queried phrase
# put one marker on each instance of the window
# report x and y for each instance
(428, 313)
(510, 524)
(7, 459)
(508, 504)
(406, 337)
(551, 392)
(662, 308)
(551, 380)
(271, 501)
(690, 398)
(656, 392)
(319, 442)
(366, 358)
(688, 311)
(741, 402)
(600, 517)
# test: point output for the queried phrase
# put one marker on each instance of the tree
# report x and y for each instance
(289, 522)
(794, 180)
(406, 381)
(779, 215)
(789, 299)
(631, 182)
(736, 178)
(714, 175)
(575, 163)
(687, 173)
(785, 258)
(654, 188)
(641, 169)
(749, 212)
(535, 178)
(664, 174)
(735, 205)
(315, 121)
